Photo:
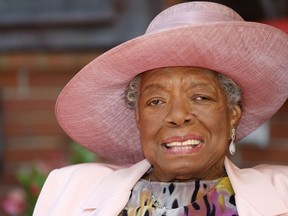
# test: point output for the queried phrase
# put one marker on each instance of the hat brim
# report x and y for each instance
(91, 109)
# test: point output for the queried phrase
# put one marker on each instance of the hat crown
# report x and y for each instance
(192, 13)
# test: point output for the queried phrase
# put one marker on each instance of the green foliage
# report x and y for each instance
(31, 179)
(81, 155)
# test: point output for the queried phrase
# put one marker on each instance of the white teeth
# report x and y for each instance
(186, 143)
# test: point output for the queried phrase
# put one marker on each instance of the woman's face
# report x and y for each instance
(184, 123)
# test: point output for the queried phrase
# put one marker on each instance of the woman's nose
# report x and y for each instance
(179, 114)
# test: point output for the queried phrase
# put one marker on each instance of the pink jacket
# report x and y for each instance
(103, 190)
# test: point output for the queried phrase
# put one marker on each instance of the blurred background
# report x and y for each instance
(43, 44)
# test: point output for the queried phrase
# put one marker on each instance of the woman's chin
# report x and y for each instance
(181, 171)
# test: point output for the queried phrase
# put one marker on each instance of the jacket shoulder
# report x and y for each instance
(63, 184)
(277, 176)
(273, 170)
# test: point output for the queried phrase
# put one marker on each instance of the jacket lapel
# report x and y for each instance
(111, 195)
(255, 194)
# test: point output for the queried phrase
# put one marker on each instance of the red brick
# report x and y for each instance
(8, 79)
(32, 129)
(37, 142)
(73, 61)
(18, 155)
(279, 130)
(264, 155)
(50, 79)
(29, 105)
(280, 118)
(31, 94)
(28, 117)
(29, 61)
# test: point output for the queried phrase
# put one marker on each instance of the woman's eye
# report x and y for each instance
(155, 102)
(201, 98)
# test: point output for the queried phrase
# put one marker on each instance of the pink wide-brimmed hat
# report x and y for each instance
(202, 34)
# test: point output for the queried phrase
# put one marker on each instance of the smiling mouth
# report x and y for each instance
(185, 145)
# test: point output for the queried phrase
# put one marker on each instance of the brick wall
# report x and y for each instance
(30, 84)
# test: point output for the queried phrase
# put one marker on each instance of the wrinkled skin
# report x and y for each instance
(185, 123)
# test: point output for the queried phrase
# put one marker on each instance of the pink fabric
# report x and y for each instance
(91, 110)
(103, 190)
(196, 13)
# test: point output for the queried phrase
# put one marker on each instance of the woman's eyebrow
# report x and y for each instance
(202, 85)
(153, 86)
(157, 86)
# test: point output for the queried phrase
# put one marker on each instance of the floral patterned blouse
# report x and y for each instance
(209, 197)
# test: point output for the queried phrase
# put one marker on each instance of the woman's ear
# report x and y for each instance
(235, 116)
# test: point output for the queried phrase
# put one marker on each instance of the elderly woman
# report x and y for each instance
(202, 79)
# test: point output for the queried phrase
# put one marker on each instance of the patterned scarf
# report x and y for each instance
(209, 197)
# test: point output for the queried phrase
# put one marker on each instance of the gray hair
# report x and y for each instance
(132, 92)
(232, 90)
